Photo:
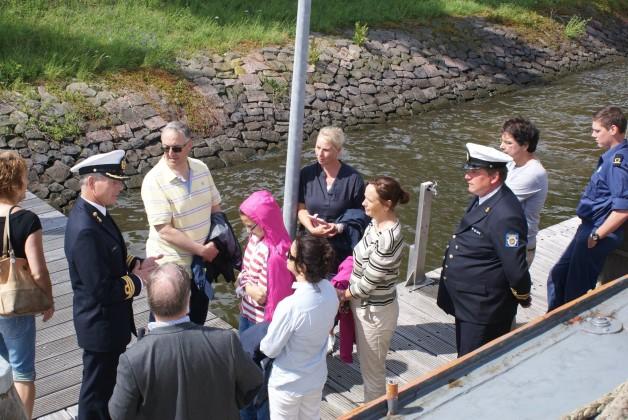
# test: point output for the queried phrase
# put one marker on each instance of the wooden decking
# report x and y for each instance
(424, 338)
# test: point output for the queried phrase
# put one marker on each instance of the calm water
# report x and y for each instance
(430, 147)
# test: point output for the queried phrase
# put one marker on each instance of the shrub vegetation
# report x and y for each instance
(59, 39)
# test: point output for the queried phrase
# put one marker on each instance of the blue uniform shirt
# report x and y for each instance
(608, 188)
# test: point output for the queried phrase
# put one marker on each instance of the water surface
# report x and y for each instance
(430, 147)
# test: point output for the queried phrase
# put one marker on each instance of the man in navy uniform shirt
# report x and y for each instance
(104, 280)
(603, 209)
(485, 273)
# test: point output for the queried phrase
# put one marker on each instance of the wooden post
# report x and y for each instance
(11, 407)
(416, 261)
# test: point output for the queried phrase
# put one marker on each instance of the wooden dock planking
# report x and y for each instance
(424, 338)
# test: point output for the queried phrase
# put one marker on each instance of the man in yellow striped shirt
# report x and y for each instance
(179, 197)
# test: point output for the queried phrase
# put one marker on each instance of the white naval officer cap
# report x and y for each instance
(479, 156)
(110, 164)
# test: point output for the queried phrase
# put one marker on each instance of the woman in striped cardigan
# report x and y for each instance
(372, 287)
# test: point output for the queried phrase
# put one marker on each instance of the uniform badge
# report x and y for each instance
(476, 231)
(618, 159)
(512, 240)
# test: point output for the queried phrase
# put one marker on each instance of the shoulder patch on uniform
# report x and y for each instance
(512, 239)
(618, 159)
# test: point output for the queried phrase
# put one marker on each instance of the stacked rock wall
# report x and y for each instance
(394, 74)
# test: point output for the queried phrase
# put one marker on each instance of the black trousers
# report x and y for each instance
(470, 336)
(199, 306)
(99, 378)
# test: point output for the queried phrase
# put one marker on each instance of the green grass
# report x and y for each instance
(576, 27)
(60, 39)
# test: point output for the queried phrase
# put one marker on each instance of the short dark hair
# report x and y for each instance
(523, 131)
(502, 171)
(389, 189)
(314, 257)
(168, 290)
(611, 115)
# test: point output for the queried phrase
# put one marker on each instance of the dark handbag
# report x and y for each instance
(19, 294)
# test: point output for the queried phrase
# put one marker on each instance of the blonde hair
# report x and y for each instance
(334, 135)
(12, 171)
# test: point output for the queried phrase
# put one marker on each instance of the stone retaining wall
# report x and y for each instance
(394, 74)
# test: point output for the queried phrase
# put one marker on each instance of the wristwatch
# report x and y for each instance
(593, 235)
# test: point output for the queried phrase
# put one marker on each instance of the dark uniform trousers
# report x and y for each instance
(577, 270)
(99, 379)
(485, 262)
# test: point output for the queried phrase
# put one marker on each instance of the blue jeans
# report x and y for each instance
(17, 345)
(250, 412)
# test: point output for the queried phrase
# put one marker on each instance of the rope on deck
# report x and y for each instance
(611, 406)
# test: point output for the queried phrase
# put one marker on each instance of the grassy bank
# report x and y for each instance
(58, 39)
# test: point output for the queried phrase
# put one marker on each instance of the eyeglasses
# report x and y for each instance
(250, 228)
(290, 256)
(174, 149)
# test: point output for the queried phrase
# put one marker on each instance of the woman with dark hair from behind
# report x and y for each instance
(297, 335)
(17, 333)
(372, 290)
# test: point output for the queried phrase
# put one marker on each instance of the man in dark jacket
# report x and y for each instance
(104, 279)
(180, 370)
(485, 273)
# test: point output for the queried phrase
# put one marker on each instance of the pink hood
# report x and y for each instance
(262, 208)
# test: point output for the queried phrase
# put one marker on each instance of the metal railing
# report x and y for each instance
(416, 261)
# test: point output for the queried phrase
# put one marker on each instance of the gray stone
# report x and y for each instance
(68, 194)
(17, 117)
(81, 88)
(155, 123)
(68, 160)
(213, 162)
(17, 143)
(367, 88)
(123, 131)
(59, 172)
(40, 158)
(154, 150)
(25, 153)
(105, 147)
(200, 152)
(38, 146)
(270, 135)
(71, 150)
(6, 109)
(55, 187)
(256, 96)
(99, 136)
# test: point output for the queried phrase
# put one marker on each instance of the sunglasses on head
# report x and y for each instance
(175, 149)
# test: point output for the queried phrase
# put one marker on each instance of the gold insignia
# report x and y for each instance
(519, 296)
(95, 214)
(123, 164)
(487, 209)
(129, 287)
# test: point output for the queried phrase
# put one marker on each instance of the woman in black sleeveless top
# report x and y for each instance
(17, 334)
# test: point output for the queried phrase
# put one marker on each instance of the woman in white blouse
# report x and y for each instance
(297, 335)
(372, 291)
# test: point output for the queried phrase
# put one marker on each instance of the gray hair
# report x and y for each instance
(168, 290)
(178, 127)
(83, 178)
(334, 135)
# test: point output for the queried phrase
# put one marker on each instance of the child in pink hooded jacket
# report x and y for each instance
(264, 280)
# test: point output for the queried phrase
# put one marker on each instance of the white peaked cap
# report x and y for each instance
(479, 156)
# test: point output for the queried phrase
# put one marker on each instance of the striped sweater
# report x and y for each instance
(376, 261)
